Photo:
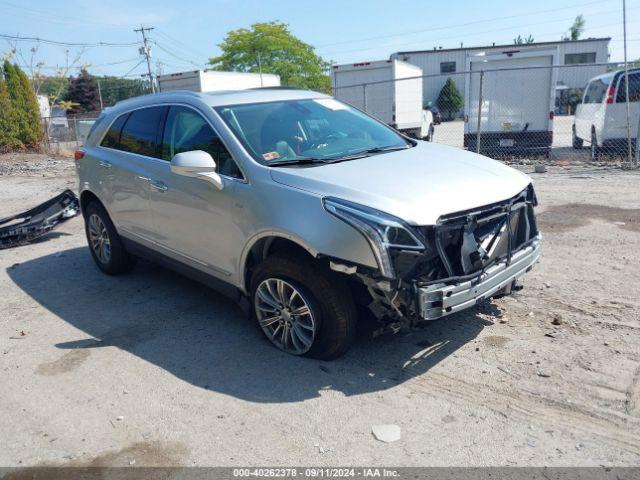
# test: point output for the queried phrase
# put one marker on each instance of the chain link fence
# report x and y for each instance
(522, 114)
(64, 134)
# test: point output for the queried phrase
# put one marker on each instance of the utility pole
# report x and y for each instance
(100, 96)
(146, 51)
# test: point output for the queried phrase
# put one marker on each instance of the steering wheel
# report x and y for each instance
(324, 139)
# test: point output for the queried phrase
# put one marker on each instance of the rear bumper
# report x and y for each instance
(438, 300)
(510, 142)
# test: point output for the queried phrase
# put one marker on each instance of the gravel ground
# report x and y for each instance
(153, 369)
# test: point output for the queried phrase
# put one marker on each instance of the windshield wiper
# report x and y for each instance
(367, 152)
(297, 161)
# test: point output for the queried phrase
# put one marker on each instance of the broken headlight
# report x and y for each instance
(383, 231)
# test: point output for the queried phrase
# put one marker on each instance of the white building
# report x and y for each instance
(445, 63)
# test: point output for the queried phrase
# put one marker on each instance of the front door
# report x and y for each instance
(192, 218)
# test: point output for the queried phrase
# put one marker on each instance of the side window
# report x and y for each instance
(634, 89)
(186, 130)
(140, 132)
(112, 137)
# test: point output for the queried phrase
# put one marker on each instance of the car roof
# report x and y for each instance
(614, 73)
(221, 98)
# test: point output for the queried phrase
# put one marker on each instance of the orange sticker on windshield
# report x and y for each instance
(270, 155)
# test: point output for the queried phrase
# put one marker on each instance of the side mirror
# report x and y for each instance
(197, 164)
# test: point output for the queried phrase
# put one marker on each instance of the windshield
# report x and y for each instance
(294, 130)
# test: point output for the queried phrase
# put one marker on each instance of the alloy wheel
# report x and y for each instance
(285, 316)
(99, 239)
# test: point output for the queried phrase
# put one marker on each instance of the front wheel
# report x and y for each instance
(302, 307)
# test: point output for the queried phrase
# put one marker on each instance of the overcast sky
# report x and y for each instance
(187, 32)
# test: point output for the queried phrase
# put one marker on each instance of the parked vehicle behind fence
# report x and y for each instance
(601, 118)
(303, 208)
(392, 94)
(516, 101)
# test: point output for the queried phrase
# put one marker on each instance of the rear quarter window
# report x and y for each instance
(596, 90)
(140, 132)
(112, 137)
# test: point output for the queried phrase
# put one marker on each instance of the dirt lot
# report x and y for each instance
(153, 369)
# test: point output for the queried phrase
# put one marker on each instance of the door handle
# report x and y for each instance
(105, 164)
(158, 185)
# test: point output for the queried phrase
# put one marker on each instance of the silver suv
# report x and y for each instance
(305, 210)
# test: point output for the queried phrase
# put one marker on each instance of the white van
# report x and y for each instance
(601, 118)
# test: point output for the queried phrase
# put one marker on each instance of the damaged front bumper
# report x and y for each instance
(469, 256)
(438, 300)
(27, 226)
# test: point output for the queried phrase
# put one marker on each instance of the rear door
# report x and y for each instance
(125, 152)
(615, 126)
(591, 111)
(515, 98)
(192, 218)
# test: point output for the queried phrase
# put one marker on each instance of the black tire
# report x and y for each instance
(329, 298)
(596, 153)
(576, 143)
(118, 260)
(430, 135)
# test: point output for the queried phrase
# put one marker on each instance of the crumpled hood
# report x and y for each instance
(419, 184)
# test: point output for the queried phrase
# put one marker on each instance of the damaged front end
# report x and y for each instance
(27, 226)
(467, 257)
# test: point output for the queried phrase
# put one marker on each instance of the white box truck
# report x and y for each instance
(518, 101)
(377, 88)
(214, 80)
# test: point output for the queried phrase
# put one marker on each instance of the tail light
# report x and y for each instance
(78, 154)
(551, 115)
(610, 93)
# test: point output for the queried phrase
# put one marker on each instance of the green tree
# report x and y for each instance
(54, 87)
(115, 89)
(34, 132)
(577, 29)
(450, 99)
(83, 91)
(8, 122)
(521, 41)
(272, 48)
(25, 105)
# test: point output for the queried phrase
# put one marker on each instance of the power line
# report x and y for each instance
(20, 38)
(185, 48)
(473, 34)
(49, 17)
(131, 70)
(176, 56)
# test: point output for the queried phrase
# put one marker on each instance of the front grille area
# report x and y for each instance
(464, 244)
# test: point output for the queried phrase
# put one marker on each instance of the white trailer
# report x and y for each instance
(377, 88)
(518, 95)
(214, 80)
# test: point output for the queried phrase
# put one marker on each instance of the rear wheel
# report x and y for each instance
(576, 142)
(302, 307)
(105, 244)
